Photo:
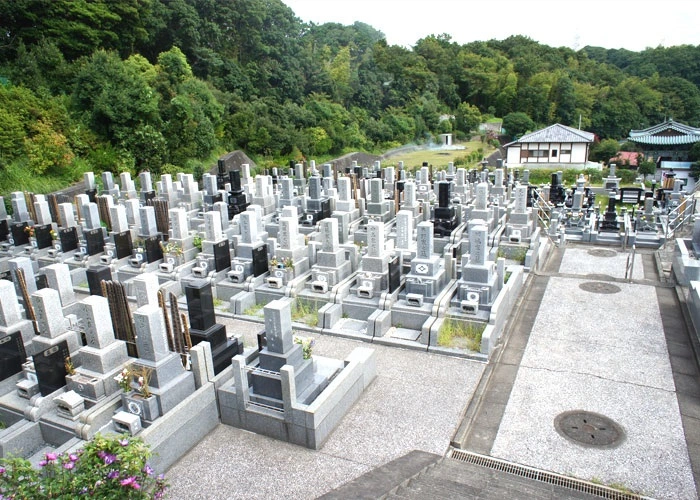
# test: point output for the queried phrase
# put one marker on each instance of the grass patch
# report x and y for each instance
(218, 303)
(460, 334)
(437, 157)
(305, 313)
(256, 310)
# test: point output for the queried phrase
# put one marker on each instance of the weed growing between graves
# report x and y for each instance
(460, 334)
(256, 310)
(513, 253)
(218, 303)
(197, 242)
(305, 313)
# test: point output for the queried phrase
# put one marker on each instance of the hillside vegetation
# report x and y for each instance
(169, 84)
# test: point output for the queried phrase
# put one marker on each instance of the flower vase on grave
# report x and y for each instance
(281, 273)
(145, 407)
(91, 388)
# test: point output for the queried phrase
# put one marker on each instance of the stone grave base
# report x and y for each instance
(32, 440)
(226, 289)
(305, 425)
(178, 272)
(686, 266)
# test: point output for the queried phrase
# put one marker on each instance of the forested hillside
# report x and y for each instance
(161, 84)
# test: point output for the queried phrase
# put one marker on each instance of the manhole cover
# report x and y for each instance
(599, 287)
(600, 252)
(589, 429)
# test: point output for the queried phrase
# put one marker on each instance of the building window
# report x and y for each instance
(539, 153)
(554, 153)
(566, 151)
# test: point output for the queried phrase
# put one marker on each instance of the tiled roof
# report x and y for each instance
(666, 134)
(558, 133)
(625, 156)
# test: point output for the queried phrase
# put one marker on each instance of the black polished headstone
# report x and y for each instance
(123, 244)
(154, 251)
(92, 195)
(443, 194)
(50, 366)
(235, 180)
(148, 195)
(12, 355)
(42, 234)
(262, 341)
(19, 235)
(4, 229)
(95, 241)
(42, 281)
(200, 304)
(210, 199)
(394, 274)
(68, 238)
(260, 265)
(222, 256)
(95, 276)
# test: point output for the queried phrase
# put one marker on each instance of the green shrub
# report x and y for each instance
(108, 467)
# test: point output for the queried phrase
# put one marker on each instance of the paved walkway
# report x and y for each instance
(586, 339)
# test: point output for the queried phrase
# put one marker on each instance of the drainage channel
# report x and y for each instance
(542, 476)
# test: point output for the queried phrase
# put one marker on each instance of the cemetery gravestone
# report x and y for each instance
(50, 366)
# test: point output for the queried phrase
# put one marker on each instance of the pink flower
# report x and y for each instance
(113, 474)
(124, 442)
(68, 465)
(73, 457)
(42, 463)
(131, 482)
(51, 457)
(109, 458)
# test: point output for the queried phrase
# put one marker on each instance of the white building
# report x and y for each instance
(556, 144)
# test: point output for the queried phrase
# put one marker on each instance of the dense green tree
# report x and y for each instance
(604, 150)
(564, 100)
(517, 123)
(467, 117)
(142, 83)
(113, 97)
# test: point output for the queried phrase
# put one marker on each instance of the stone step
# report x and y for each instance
(378, 482)
(450, 479)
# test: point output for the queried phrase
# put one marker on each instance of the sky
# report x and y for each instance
(612, 24)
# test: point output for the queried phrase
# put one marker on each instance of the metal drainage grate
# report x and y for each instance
(600, 252)
(542, 476)
(589, 429)
(599, 287)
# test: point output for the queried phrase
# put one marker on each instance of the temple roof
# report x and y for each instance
(557, 133)
(666, 134)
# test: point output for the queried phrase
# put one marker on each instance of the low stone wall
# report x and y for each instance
(685, 267)
(502, 309)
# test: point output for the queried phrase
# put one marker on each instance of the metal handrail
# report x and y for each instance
(681, 214)
(629, 267)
